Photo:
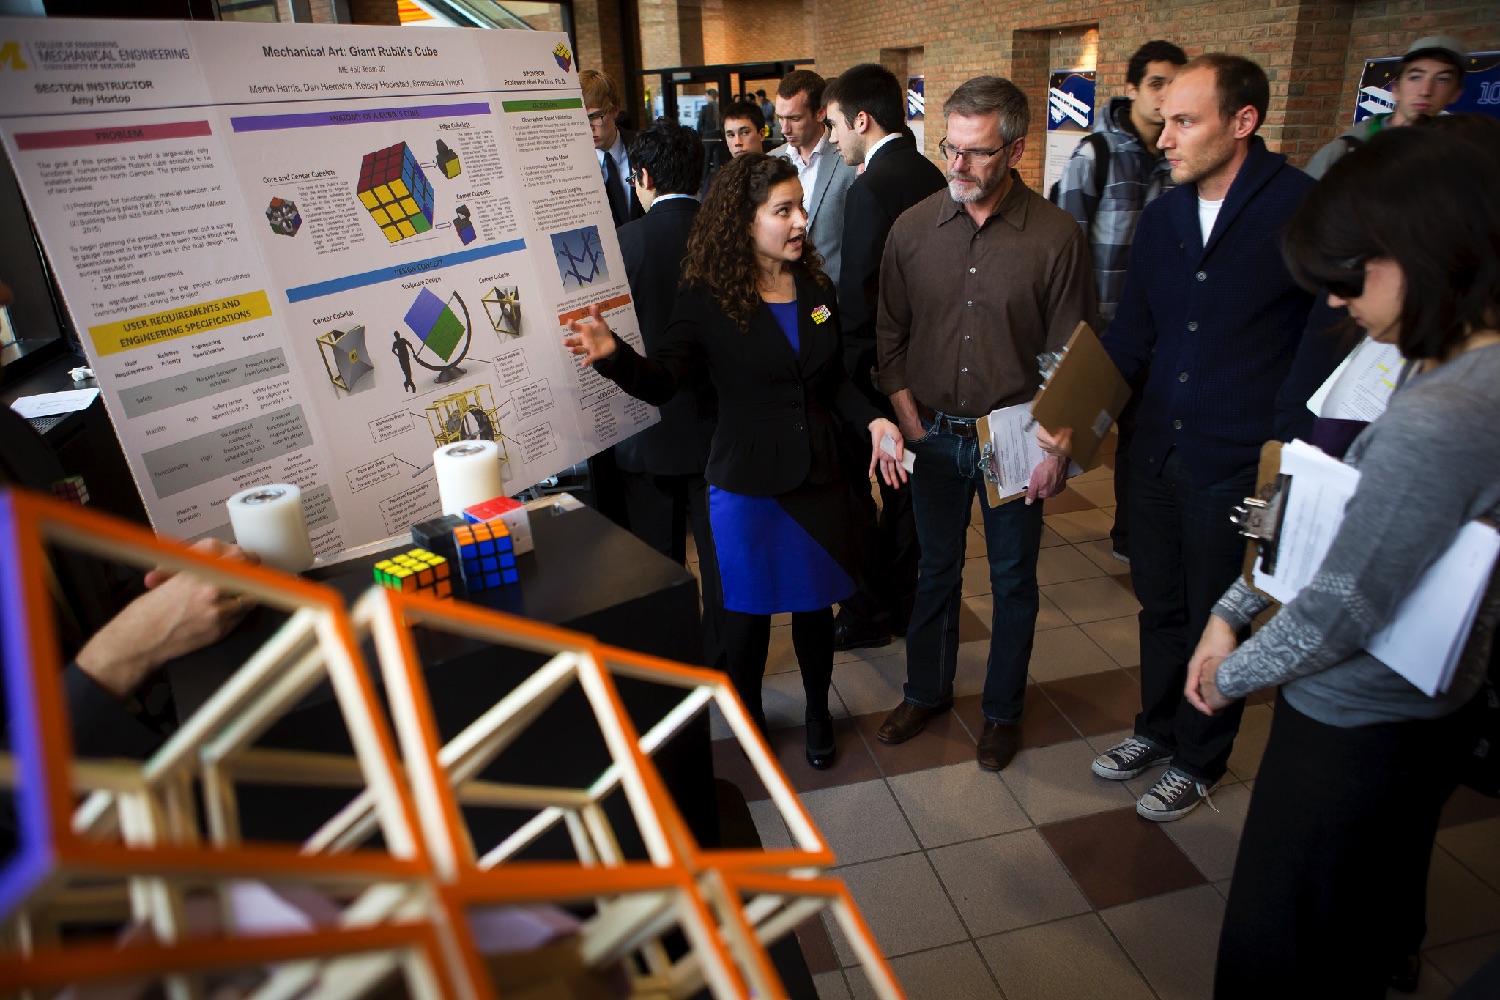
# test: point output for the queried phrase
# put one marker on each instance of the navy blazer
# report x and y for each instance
(653, 247)
(779, 412)
(1217, 323)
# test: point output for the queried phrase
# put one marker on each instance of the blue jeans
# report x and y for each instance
(942, 495)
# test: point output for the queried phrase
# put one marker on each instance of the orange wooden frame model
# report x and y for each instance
(136, 826)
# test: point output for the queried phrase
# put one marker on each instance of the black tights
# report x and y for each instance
(748, 637)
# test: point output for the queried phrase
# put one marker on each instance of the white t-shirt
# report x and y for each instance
(1208, 211)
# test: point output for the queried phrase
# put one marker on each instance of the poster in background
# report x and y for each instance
(1481, 94)
(1070, 116)
(314, 254)
(916, 109)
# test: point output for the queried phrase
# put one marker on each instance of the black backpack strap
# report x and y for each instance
(1101, 161)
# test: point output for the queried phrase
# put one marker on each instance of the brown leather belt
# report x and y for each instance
(957, 426)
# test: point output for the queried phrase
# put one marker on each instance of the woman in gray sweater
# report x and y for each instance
(1332, 868)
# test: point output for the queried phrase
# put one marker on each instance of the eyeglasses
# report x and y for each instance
(1351, 287)
(973, 157)
(632, 177)
(598, 117)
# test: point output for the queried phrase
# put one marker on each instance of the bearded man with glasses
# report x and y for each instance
(977, 280)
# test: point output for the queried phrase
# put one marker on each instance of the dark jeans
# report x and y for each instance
(1331, 878)
(1184, 554)
(661, 508)
(943, 488)
(888, 543)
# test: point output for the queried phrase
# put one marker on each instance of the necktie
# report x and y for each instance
(619, 204)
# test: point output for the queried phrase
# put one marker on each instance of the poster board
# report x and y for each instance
(1481, 93)
(313, 254)
(1070, 116)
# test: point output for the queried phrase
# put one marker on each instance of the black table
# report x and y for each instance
(585, 574)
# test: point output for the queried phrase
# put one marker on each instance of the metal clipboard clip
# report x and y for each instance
(1259, 519)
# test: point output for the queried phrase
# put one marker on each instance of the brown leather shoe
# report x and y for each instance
(998, 745)
(908, 720)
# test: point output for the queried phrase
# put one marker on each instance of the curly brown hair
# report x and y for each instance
(721, 251)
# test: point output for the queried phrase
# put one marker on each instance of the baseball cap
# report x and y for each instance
(1444, 47)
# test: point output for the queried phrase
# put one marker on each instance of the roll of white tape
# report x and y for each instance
(268, 521)
(468, 472)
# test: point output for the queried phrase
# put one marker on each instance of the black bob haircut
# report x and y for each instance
(870, 88)
(1425, 198)
(672, 154)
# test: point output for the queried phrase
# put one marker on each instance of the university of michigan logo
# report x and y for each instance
(10, 56)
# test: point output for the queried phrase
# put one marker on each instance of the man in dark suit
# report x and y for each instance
(611, 144)
(867, 122)
(662, 466)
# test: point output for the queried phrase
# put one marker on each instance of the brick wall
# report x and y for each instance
(1312, 50)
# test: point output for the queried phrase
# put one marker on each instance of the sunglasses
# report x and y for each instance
(1351, 287)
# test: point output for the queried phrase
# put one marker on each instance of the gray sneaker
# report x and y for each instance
(1174, 795)
(1129, 758)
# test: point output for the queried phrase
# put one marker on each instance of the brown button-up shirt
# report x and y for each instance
(965, 310)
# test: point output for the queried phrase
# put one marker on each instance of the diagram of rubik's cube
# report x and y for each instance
(396, 192)
(435, 323)
(283, 216)
(464, 225)
(416, 571)
(486, 555)
(447, 161)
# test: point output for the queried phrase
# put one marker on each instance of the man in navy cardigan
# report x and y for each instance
(1209, 305)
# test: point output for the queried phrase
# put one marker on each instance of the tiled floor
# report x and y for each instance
(1041, 883)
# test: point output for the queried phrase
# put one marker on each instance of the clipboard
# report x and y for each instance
(1085, 392)
(987, 464)
(1259, 516)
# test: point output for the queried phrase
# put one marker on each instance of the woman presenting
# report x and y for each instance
(1330, 879)
(757, 313)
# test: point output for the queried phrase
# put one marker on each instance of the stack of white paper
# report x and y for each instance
(1361, 386)
(1013, 434)
(1427, 633)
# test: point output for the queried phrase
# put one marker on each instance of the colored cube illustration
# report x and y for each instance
(396, 193)
(283, 216)
(434, 322)
(447, 161)
(486, 557)
(416, 571)
(464, 225)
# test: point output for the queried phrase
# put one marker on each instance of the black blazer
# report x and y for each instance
(896, 178)
(653, 247)
(779, 413)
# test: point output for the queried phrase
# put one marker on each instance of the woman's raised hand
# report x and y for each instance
(590, 338)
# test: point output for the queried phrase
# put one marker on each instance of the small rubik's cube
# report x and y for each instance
(486, 557)
(464, 225)
(396, 192)
(416, 571)
(71, 489)
(283, 216)
(447, 161)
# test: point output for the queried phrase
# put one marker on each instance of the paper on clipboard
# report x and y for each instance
(1085, 392)
(1011, 432)
(1361, 386)
(1428, 630)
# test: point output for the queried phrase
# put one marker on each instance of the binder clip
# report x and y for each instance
(1259, 519)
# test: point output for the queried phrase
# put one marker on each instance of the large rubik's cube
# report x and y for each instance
(486, 555)
(396, 192)
(416, 571)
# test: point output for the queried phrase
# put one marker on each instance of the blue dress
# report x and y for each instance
(787, 552)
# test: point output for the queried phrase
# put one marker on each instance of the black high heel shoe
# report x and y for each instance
(821, 748)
